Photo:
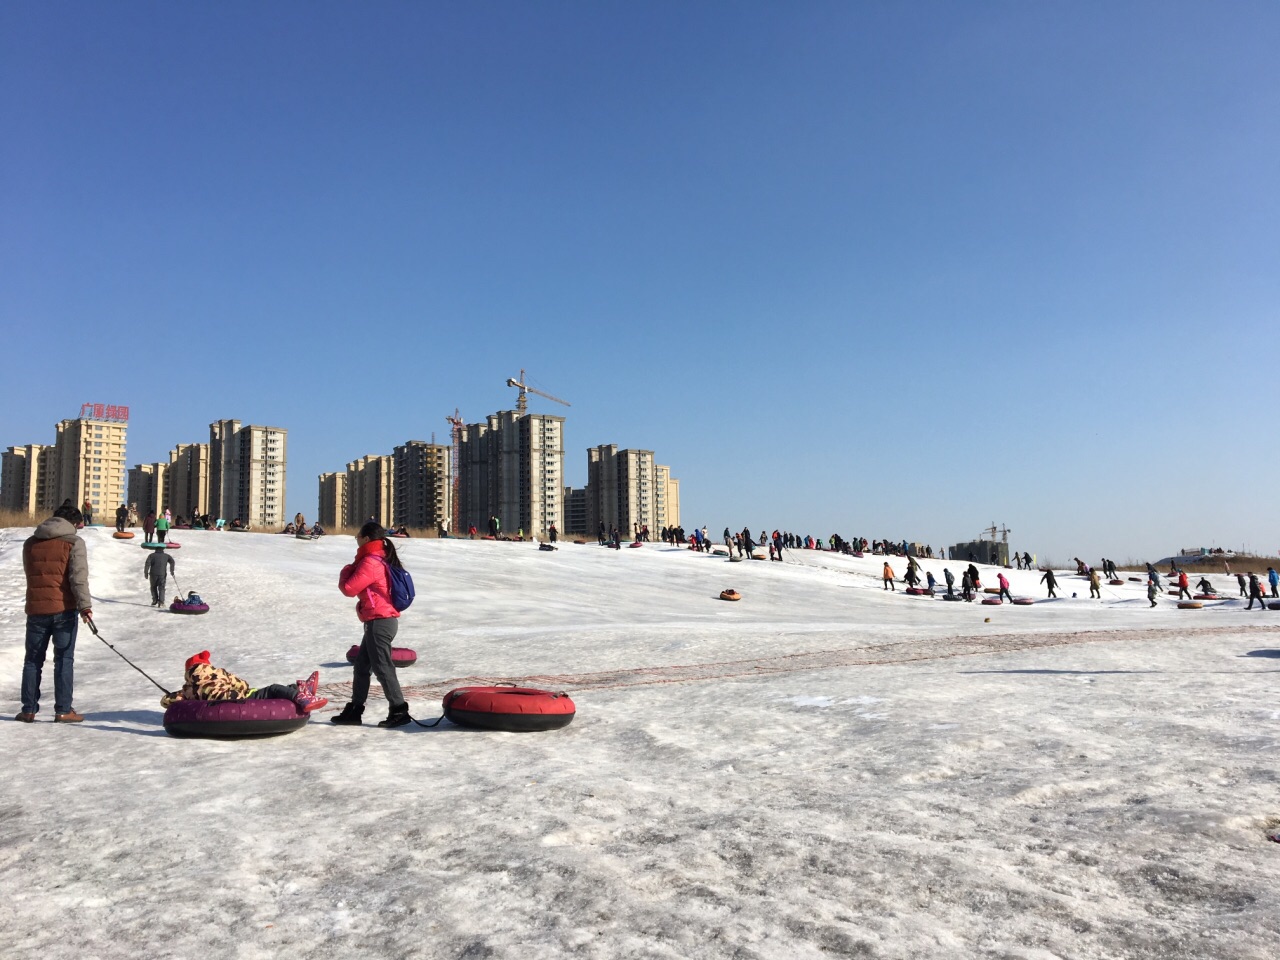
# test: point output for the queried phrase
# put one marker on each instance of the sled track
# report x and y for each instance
(902, 651)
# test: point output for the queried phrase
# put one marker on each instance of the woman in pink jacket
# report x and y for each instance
(369, 579)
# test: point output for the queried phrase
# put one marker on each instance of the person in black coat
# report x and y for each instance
(1050, 581)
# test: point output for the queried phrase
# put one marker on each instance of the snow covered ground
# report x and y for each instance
(821, 769)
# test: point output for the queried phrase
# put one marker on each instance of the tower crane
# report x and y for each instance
(522, 401)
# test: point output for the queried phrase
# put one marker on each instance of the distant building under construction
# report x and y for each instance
(512, 468)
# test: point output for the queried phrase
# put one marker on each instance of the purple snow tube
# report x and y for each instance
(181, 606)
(232, 719)
(400, 656)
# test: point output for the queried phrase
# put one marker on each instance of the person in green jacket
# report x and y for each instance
(162, 527)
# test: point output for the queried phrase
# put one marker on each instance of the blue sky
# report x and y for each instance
(883, 269)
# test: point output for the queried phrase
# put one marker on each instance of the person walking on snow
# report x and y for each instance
(1244, 589)
(1274, 579)
(1050, 581)
(887, 575)
(1184, 586)
(162, 527)
(368, 577)
(122, 518)
(156, 569)
(1004, 587)
(1153, 591)
(56, 564)
(1095, 587)
(149, 526)
(1204, 586)
(1255, 593)
(950, 577)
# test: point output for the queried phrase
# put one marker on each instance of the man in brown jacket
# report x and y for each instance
(57, 568)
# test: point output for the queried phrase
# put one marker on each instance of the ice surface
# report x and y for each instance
(821, 769)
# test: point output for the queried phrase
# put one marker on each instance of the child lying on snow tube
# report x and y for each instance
(206, 682)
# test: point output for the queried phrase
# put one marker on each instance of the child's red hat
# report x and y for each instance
(201, 657)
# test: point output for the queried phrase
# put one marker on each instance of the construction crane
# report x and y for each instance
(993, 531)
(456, 424)
(522, 401)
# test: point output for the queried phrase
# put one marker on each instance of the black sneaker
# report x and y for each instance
(350, 716)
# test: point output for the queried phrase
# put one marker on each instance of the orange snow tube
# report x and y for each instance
(122, 535)
(730, 595)
(1190, 605)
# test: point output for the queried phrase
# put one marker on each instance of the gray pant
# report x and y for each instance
(275, 691)
(375, 656)
(157, 589)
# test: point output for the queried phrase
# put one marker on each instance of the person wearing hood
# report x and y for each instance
(1050, 581)
(203, 681)
(156, 569)
(368, 577)
(56, 565)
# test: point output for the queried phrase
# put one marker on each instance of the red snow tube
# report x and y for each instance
(232, 719)
(122, 535)
(1207, 596)
(517, 709)
(992, 602)
(637, 543)
(1023, 602)
(916, 592)
(400, 656)
(990, 589)
(181, 606)
(1116, 583)
(1189, 605)
(1135, 579)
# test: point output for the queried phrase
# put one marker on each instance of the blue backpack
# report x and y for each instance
(401, 587)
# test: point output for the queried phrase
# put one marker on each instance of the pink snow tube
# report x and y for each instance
(992, 602)
(400, 656)
(181, 606)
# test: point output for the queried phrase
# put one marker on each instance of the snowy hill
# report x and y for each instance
(821, 769)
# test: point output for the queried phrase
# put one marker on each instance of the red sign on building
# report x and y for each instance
(102, 411)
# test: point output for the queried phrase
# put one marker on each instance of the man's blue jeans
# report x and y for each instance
(61, 629)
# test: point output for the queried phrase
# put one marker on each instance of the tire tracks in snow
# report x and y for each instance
(871, 655)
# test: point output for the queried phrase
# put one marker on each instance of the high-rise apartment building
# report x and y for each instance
(89, 464)
(423, 490)
(187, 480)
(247, 469)
(622, 490)
(666, 496)
(147, 482)
(333, 500)
(24, 479)
(575, 513)
(370, 487)
(513, 468)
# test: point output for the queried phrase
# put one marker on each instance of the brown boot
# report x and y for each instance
(25, 717)
(69, 717)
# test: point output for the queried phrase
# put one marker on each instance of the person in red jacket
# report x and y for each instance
(1183, 585)
(369, 579)
(57, 568)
